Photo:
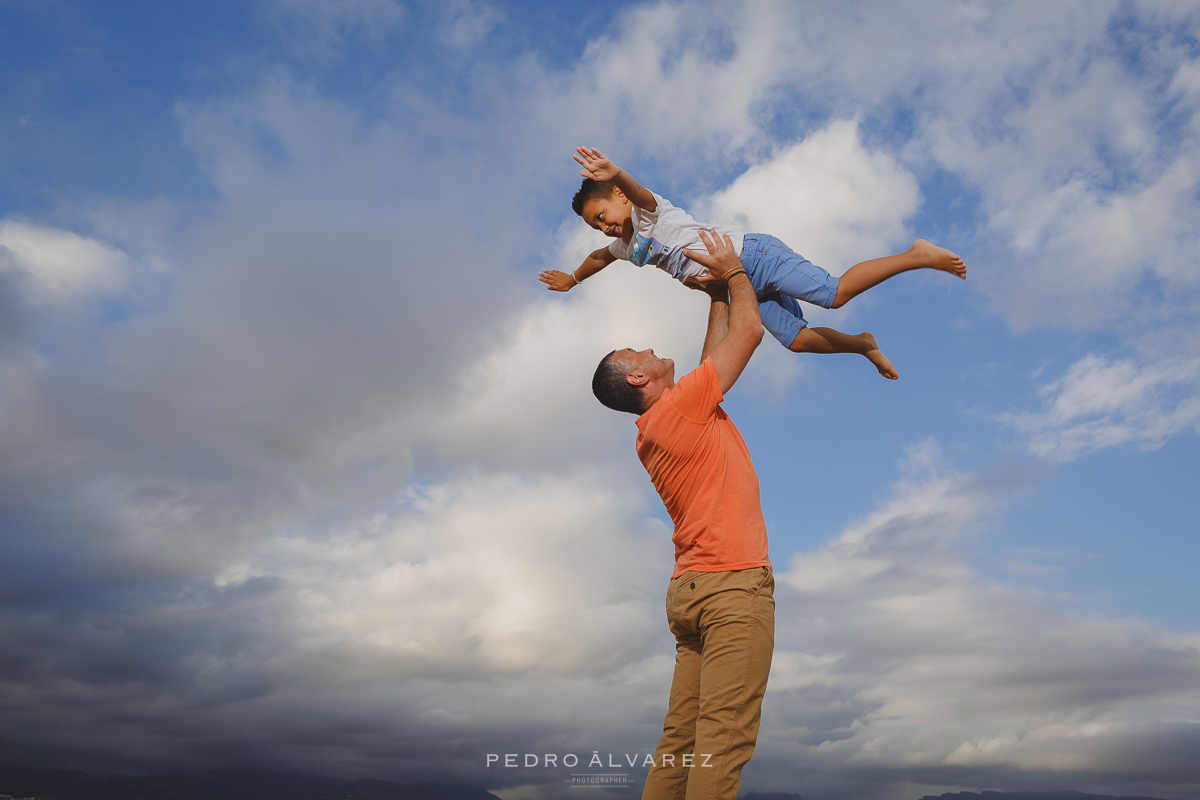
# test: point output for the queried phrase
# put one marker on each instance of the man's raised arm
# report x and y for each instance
(718, 318)
(734, 328)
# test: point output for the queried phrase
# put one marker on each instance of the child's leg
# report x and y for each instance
(864, 275)
(781, 315)
(827, 340)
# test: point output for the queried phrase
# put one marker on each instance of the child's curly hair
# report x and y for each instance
(591, 190)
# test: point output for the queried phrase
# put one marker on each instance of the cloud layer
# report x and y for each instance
(917, 664)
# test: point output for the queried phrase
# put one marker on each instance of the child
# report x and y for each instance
(649, 230)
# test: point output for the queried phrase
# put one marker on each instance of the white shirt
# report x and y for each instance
(660, 236)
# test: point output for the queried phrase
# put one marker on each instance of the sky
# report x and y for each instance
(299, 465)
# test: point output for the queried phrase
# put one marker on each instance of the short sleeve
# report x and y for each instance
(697, 394)
(649, 219)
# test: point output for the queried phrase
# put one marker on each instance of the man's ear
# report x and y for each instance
(637, 379)
(618, 194)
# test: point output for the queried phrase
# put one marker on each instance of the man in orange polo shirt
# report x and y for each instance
(720, 603)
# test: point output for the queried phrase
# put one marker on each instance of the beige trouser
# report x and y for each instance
(724, 626)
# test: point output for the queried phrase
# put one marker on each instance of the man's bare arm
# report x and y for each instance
(733, 352)
(730, 350)
(718, 318)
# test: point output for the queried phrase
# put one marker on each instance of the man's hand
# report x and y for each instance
(595, 165)
(720, 260)
(557, 280)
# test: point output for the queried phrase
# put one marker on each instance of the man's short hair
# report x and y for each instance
(611, 388)
(591, 190)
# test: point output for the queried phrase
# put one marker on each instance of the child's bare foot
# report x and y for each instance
(876, 357)
(930, 255)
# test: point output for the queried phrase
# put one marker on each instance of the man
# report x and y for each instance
(720, 603)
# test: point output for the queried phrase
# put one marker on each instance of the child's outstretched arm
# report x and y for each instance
(559, 281)
(597, 167)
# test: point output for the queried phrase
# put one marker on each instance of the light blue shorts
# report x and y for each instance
(780, 276)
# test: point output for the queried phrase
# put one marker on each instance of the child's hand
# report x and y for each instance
(709, 284)
(595, 165)
(557, 280)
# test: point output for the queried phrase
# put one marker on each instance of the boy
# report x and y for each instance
(649, 230)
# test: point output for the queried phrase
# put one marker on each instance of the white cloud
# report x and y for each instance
(1084, 189)
(1086, 169)
(1101, 402)
(528, 399)
(826, 196)
(61, 264)
(483, 577)
(681, 79)
(899, 656)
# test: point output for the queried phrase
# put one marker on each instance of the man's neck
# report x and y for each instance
(654, 395)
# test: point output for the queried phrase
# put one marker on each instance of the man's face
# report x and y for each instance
(651, 365)
(610, 215)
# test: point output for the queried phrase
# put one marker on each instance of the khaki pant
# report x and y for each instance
(724, 626)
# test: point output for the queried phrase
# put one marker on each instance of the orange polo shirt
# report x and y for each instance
(701, 468)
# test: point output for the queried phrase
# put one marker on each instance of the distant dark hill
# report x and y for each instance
(220, 785)
(1028, 796)
(49, 785)
(367, 789)
(242, 784)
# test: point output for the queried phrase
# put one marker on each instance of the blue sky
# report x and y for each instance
(298, 463)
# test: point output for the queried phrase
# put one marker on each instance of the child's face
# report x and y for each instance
(611, 215)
